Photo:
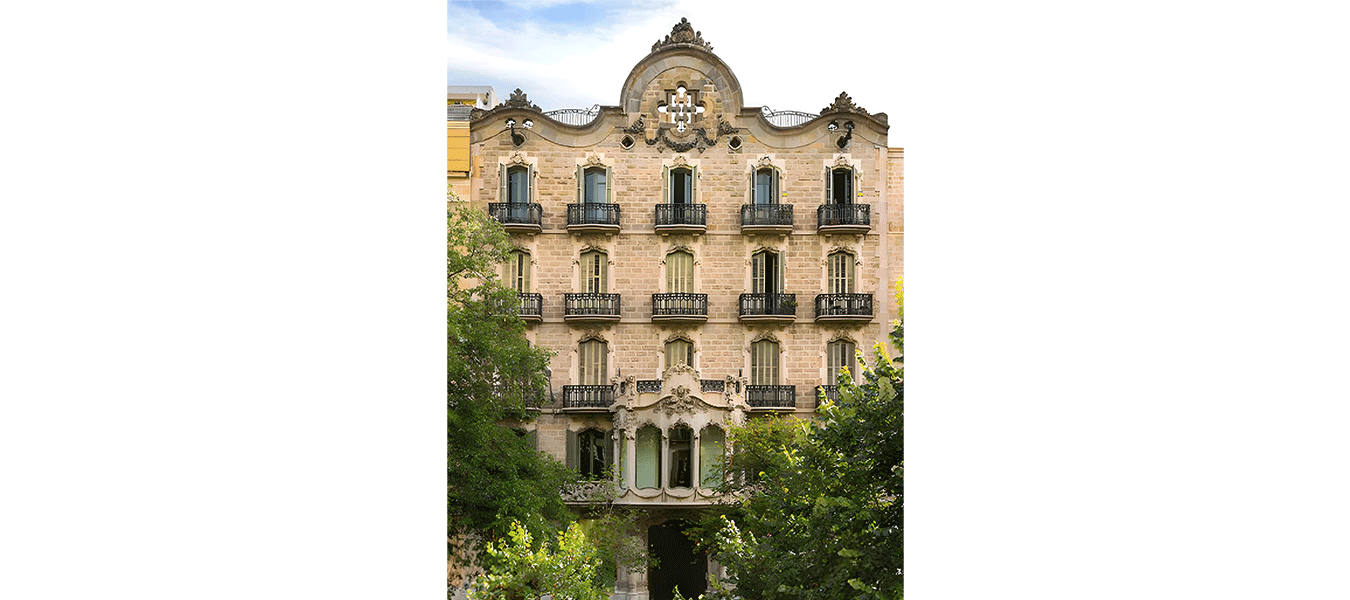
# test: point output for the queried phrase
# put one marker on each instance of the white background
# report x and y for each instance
(220, 248)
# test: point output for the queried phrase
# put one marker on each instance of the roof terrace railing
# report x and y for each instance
(574, 116)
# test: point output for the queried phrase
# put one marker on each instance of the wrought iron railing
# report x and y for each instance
(531, 305)
(593, 213)
(591, 303)
(768, 304)
(588, 396)
(785, 118)
(766, 214)
(771, 396)
(679, 304)
(712, 385)
(843, 214)
(648, 386)
(574, 116)
(840, 305)
(831, 392)
(681, 214)
(517, 212)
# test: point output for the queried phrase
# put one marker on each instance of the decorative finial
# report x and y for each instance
(683, 33)
(843, 104)
(518, 100)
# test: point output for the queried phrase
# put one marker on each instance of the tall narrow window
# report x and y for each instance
(648, 458)
(594, 272)
(518, 184)
(840, 273)
(839, 355)
(594, 182)
(681, 457)
(592, 448)
(766, 275)
(839, 185)
(766, 186)
(679, 272)
(592, 357)
(679, 185)
(710, 463)
(764, 363)
(518, 272)
(679, 352)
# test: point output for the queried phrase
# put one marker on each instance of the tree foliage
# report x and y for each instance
(820, 512)
(519, 569)
(494, 475)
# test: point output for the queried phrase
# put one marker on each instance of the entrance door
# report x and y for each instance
(679, 565)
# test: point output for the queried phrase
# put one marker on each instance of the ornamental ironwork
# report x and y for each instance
(771, 396)
(588, 396)
(843, 214)
(648, 386)
(712, 385)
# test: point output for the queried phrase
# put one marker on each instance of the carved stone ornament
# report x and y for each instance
(679, 161)
(725, 128)
(764, 161)
(843, 104)
(766, 335)
(518, 159)
(679, 402)
(518, 100)
(842, 161)
(683, 33)
(592, 335)
(638, 127)
(594, 161)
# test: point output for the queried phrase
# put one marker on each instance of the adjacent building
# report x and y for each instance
(694, 262)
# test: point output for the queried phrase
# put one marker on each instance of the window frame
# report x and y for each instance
(760, 372)
(850, 180)
(680, 272)
(839, 354)
(678, 346)
(594, 273)
(592, 362)
(841, 268)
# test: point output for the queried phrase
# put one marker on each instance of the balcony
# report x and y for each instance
(769, 307)
(588, 397)
(591, 307)
(830, 391)
(681, 218)
(768, 218)
(844, 218)
(853, 308)
(679, 308)
(593, 216)
(518, 217)
(532, 308)
(771, 397)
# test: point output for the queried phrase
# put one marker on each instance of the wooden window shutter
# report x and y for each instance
(602, 285)
(573, 451)
(757, 273)
(529, 184)
(829, 186)
(609, 185)
(502, 194)
(665, 185)
(693, 185)
(581, 185)
(524, 260)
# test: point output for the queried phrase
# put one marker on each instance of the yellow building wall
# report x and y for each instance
(457, 146)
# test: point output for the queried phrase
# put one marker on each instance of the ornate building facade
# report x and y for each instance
(694, 262)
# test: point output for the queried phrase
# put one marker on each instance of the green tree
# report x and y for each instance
(519, 569)
(820, 512)
(494, 474)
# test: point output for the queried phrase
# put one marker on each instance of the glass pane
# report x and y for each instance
(842, 186)
(679, 187)
(681, 459)
(710, 457)
(763, 186)
(648, 458)
(595, 185)
(518, 184)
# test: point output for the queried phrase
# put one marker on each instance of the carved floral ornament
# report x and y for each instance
(766, 336)
(592, 335)
(679, 337)
(518, 99)
(843, 104)
(842, 160)
(518, 159)
(595, 161)
(679, 402)
(841, 336)
(683, 33)
(680, 160)
(764, 161)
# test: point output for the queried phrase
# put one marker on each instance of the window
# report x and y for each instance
(679, 185)
(679, 272)
(593, 185)
(592, 357)
(766, 276)
(840, 276)
(648, 443)
(679, 352)
(587, 452)
(710, 463)
(518, 272)
(517, 184)
(839, 186)
(840, 354)
(764, 363)
(594, 272)
(766, 186)
(681, 457)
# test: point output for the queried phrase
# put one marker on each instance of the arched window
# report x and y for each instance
(588, 452)
(764, 363)
(679, 272)
(766, 186)
(839, 354)
(681, 457)
(518, 272)
(710, 456)
(648, 455)
(592, 359)
(766, 276)
(839, 185)
(594, 272)
(840, 276)
(679, 352)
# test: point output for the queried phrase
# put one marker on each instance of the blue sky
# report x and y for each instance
(577, 54)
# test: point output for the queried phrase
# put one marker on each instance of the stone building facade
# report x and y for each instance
(694, 262)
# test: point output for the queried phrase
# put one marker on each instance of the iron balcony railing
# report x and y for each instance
(831, 392)
(588, 396)
(574, 116)
(771, 396)
(682, 214)
(843, 214)
(679, 304)
(593, 213)
(648, 386)
(786, 118)
(532, 305)
(766, 214)
(517, 213)
(842, 305)
(712, 385)
(591, 303)
(768, 304)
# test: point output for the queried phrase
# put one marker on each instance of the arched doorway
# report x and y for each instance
(679, 564)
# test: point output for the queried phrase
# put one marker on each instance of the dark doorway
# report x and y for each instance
(679, 564)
